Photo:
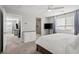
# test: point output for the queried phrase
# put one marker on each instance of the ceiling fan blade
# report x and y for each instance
(57, 8)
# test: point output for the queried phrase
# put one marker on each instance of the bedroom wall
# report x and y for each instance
(28, 28)
(48, 20)
(28, 23)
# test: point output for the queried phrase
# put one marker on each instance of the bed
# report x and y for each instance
(55, 43)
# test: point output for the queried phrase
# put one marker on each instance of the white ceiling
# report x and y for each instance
(36, 10)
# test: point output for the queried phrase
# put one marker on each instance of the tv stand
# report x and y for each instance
(48, 31)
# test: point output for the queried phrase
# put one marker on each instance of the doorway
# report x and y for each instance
(38, 27)
(13, 24)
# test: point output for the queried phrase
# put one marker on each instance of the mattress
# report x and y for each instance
(56, 43)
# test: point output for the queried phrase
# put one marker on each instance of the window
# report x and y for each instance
(70, 22)
(65, 23)
(60, 22)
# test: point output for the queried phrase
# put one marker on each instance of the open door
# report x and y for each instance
(38, 27)
(1, 31)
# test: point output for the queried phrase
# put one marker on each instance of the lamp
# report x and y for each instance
(49, 10)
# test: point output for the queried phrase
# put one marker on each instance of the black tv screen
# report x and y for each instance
(48, 26)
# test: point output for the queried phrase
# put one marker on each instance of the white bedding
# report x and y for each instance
(56, 43)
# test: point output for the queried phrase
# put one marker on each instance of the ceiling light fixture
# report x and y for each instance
(49, 10)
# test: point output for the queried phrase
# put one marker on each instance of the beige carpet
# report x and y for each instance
(15, 46)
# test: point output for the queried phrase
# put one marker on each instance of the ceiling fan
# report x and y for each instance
(51, 7)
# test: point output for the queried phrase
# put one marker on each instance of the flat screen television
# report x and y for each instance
(48, 25)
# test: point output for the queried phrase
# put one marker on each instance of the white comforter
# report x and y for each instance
(57, 43)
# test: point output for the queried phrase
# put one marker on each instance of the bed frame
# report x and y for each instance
(42, 50)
